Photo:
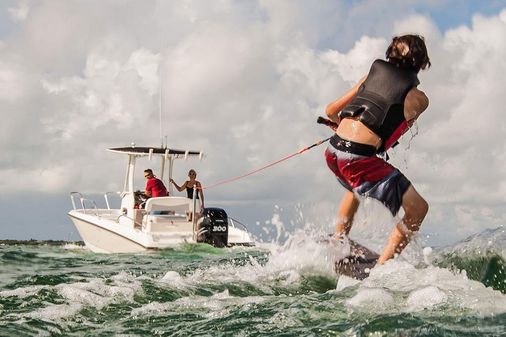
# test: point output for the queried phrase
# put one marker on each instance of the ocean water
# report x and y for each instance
(270, 290)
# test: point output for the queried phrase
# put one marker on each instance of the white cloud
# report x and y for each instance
(463, 127)
(20, 12)
(244, 82)
(11, 86)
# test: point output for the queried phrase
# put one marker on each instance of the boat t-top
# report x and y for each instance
(156, 223)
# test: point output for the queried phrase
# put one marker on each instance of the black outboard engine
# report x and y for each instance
(213, 227)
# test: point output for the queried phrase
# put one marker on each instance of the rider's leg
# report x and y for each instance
(415, 209)
(345, 214)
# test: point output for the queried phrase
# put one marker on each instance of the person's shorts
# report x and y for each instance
(359, 170)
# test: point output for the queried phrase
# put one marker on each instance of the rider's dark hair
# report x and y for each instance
(408, 51)
(150, 171)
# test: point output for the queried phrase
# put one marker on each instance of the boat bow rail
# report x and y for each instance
(93, 210)
(106, 197)
(83, 202)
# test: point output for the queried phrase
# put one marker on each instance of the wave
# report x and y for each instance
(481, 256)
(272, 289)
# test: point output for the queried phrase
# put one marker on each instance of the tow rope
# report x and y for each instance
(320, 120)
(226, 181)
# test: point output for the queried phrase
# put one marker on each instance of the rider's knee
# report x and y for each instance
(423, 208)
(417, 211)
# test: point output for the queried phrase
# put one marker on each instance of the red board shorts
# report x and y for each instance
(359, 170)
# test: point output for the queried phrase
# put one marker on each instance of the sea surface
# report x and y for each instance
(270, 290)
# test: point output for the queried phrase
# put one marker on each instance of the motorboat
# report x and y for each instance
(156, 223)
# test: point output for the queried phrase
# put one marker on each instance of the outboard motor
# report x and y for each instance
(213, 227)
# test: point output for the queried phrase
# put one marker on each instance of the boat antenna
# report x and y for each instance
(160, 108)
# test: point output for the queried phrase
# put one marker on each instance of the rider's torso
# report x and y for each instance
(354, 130)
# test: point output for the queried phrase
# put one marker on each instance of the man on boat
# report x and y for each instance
(371, 117)
(154, 186)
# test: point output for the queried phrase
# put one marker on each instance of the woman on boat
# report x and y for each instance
(190, 185)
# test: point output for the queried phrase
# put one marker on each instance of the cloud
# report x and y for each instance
(461, 134)
(243, 81)
(20, 12)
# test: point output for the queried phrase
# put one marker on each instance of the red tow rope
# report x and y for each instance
(226, 181)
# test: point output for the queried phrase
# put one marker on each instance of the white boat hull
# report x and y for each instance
(105, 234)
(101, 240)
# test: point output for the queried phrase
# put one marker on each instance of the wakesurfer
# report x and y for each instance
(371, 117)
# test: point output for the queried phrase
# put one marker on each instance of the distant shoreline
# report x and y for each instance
(33, 242)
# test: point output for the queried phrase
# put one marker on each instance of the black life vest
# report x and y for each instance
(379, 103)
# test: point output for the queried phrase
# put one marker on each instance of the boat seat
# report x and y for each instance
(174, 205)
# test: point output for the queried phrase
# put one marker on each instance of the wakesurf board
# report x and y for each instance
(358, 264)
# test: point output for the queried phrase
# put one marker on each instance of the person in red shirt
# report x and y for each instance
(154, 186)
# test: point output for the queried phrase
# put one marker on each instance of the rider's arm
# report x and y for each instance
(414, 104)
(335, 107)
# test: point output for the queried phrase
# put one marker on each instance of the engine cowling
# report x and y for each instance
(213, 227)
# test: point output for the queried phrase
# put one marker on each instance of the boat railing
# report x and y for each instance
(136, 223)
(93, 203)
(106, 197)
(233, 222)
(72, 195)
(85, 202)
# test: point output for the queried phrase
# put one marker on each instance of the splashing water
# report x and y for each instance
(275, 289)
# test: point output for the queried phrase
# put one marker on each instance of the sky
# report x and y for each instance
(244, 82)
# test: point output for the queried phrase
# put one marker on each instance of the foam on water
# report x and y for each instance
(426, 298)
(75, 247)
(287, 288)
(99, 293)
(372, 299)
(425, 288)
(95, 292)
(173, 279)
(217, 305)
(214, 306)
(56, 312)
(397, 285)
(300, 255)
(152, 308)
(22, 292)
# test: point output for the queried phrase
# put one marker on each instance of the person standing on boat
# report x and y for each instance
(371, 117)
(154, 186)
(190, 185)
